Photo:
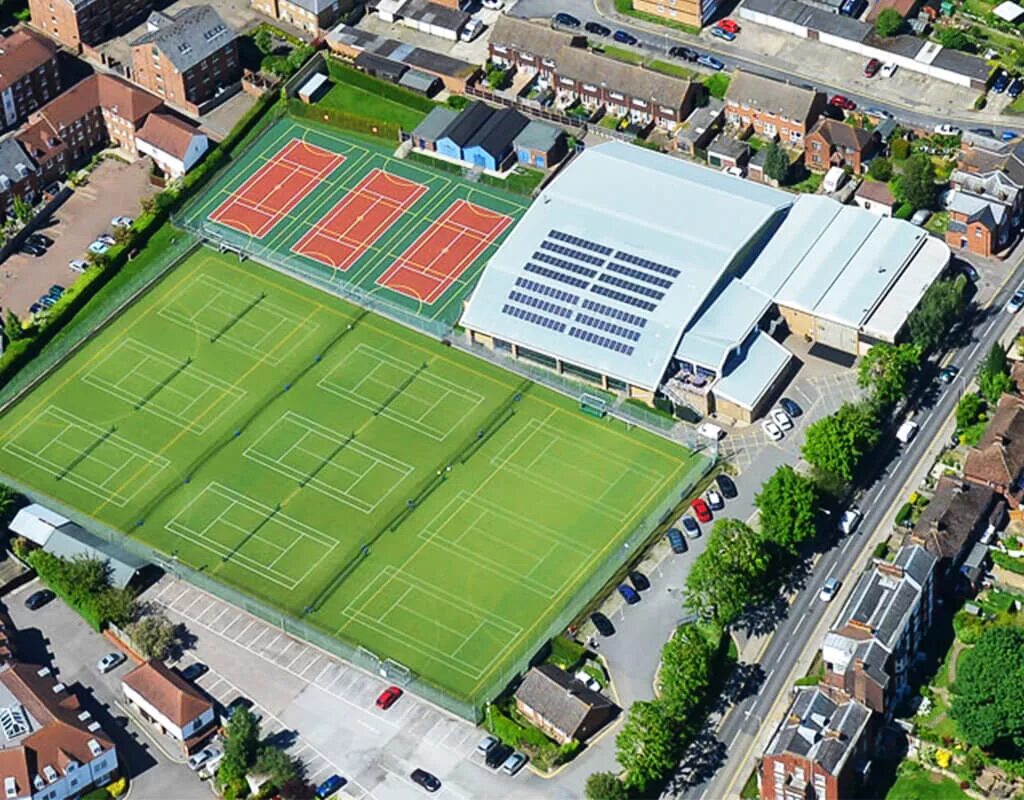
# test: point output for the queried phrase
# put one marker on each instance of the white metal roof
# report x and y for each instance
(749, 375)
(36, 523)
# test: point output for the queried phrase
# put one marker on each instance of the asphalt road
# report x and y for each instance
(741, 727)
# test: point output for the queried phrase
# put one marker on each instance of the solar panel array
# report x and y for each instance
(635, 284)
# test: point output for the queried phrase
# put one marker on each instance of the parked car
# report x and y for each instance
(889, 69)
(676, 540)
(194, 671)
(587, 680)
(967, 269)
(388, 697)
(710, 431)
(486, 745)
(197, 760)
(625, 37)
(35, 308)
(471, 30)
(829, 589)
(329, 787)
(1016, 302)
(513, 763)
(790, 407)
(726, 486)
(46, 301)
(565, 20)
(700, 508)
(875, 111)
(715, 500)
(126, 222)
(56, 290)
(771, 428)
(729, 25)
(722, 33)
(1008, 136)
(597, 29)
(107, 239)
(849, 521)
(629, 594)
(235, 705)
(872, 67)
(98, 247)
(921, 217)
(690, 527)
(949, 373)
(32, 249)
(77, 265)
(781, 418)
(991, 134)
(945, 129)
(843, 102)
(1001, 81)
(602, 623)
(37, 600)
(423, 778)
(1016, 87)
(639, 580)
(685, 53)
(709, 61)
(40, 239)
(110, 662)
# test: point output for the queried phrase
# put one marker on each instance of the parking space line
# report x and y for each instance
(238, 638)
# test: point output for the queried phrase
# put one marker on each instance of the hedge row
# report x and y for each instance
(399, 94)
(344, 120)
(1008, 562)
(76, 582)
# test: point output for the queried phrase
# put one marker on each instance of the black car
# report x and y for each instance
(676, 540)
(690, 527)
(684, 53)
(597, 29)
(726, 486)
(194, 670)
(602, 623)
(40, 240)
(33, 249)
(39, 599)
(790, 407)
(966, 269)
(566, 20)
(426, 780)
(625, 37)
(639, 581)
(1016, 87)
(991, 134)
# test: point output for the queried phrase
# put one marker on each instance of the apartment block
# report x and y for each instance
(79, 24)
(29, 75)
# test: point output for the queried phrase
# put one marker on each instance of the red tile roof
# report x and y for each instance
(99, 91)
(167, 692)
(21, 53)
(168, 133)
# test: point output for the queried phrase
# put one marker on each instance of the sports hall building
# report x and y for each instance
(645, 274)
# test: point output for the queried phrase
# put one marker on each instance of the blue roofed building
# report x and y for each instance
(645, 274)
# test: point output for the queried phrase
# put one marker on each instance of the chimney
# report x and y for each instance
(892, 570)
(861, 626)
(832, 733)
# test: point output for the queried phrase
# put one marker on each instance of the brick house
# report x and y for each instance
(822, 749)
(868, 652)
(529, 48)
(696, 13)
(998, 459)
(771, 108)
(836, 144)
(985, 211)
(875, 197)
(19, 177)
(189, 59)
(562, 707)
(29, 75)
(80, 24)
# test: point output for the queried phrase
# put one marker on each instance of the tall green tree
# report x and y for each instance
(988, 699)
(880, 169)
(888, 23)
(7, 499)
(953, 38)
(776, 163)
(241, 743)
(969, 410)
(12, 327)
(647, 747)
(276, 763)
(994, 374)
(916, 185)
(886, 371)
(939, 310)
(729, 574)
(787, 504)
(153, 635)
(605, 786)
(685, 674)
(834, 445)
(22, 209)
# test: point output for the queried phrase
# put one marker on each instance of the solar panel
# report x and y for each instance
(629, 300)
(640, 275)
(614, 313)
(557, 276)
(543, 305)
(633, 287)
(654, 266)
(547, 291)
(568, 265)
(603, 341)
(584, 243)
(536, 319)
(579, 255)
(610, 327)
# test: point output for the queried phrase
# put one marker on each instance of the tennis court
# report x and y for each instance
(403, 497)
(354, 215)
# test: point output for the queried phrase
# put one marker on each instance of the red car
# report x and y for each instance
(872, 67)
(845, 103)
(729, 25)
(388, 697)
(700, 508)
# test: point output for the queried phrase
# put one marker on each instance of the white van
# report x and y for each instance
(710, 431)
(907, 431)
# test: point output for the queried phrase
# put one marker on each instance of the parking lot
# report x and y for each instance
(114, 188)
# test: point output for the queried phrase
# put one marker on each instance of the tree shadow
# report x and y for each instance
(763, 618)
(282, 740)
(703, 758)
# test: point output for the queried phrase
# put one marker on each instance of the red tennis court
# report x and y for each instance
(359, 219)
(276, 188)
(444, 251)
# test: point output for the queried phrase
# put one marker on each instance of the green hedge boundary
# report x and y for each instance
(53, 572)
(1008, 562)
(345, 120)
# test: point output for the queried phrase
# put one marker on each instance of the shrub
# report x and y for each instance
(457, 101)
(904, 514)
(1008, 562)
(980, 102)
(900, 149)
(880, 169)
(84, 583)
(565, 653)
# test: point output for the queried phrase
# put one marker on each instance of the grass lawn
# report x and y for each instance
(938, 223)
(1017, 106)
(808, 185)
(718, 84)
(675, 70)
(396, 494)
(622, 54)
(918, 785)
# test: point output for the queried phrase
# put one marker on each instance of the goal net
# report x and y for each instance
(594, 405)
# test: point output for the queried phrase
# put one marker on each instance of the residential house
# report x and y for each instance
(174, 145)
(528, 47)
(902, 7)
(19, 177)
(641, 95)
(540, 145)
(561, 706)
(481, 136)
(53, 749)
(728, 152)
(875, 197)
(998, 459)
(703, 125)
(312, 16)
(696, 13)
(869, 651)
(835, 144)
(170, 703)
(83, 24)
(189, 59)
(29, 75)
(822, 749)
(985, 211)
(956, 516)
(772, 108)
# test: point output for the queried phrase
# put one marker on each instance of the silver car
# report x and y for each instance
(513, 763)
(109, 662)
(203, 757)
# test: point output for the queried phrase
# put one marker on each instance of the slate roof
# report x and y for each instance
(538, 135)
(993, 184)
(468, 122)
(315, 6)
(770, 96)
(167, 692)
(542, 41)
(955, 512)
(990, 213)
(839, 134)
(15, 165)
(188, 37)
(450, 19)
(559, 698)
(820, 730)
(496, 135)
(999, 456)
(987, 155)
(433, 125)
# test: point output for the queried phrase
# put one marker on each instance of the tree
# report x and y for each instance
(685, 674)
(889, 23)
(297, 789)
(885, 371)
(787, 503)
(969, 410)
(7, 499)
(880, 169)
(605, 786)
(496, 77)
(776, 163)
(12, 327)
(834, 445)
(916, 185)
(729, 574)
(117, 606)
(277, 764)
(241, 740)
(647, 745)
(22, 209)
(988, 699)
(953, 38)
(152, 635)
(264, 41)
(937, 313)
(994, 374)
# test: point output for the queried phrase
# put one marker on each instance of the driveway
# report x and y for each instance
(114, 189)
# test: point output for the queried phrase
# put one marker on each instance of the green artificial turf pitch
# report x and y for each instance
(263, 432)
(362, 155)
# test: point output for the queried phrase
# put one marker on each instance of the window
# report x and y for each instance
(816, 146)
(977, 232)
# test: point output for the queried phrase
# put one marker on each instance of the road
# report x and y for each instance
(740, 731)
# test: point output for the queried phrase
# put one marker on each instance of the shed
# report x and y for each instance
(432, 127)
(421, 82)
(314, 88)
(1011, 12)
(491, 145)
(540, 145)
(561, 706)
(380, 67)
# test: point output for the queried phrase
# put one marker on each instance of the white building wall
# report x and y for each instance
(76, 781)
(173, 730)
(171, 164)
